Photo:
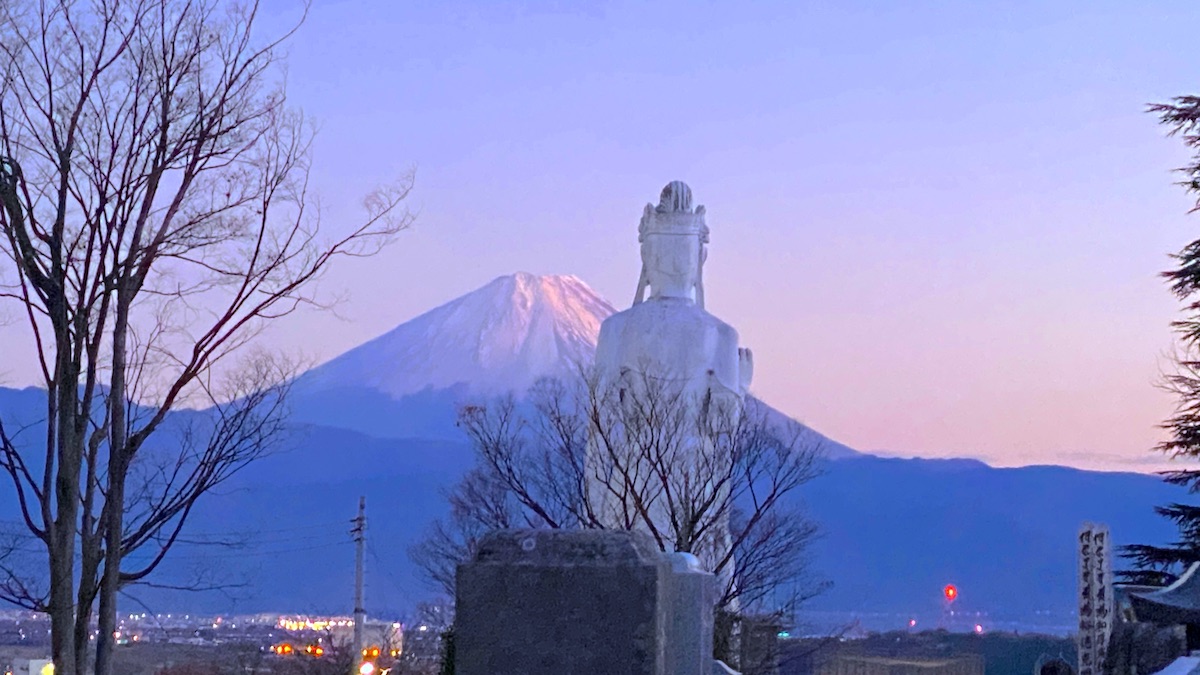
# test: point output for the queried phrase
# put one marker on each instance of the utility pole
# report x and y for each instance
(360, 613)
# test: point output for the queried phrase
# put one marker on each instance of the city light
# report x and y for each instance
(367, 668)
(300, 623)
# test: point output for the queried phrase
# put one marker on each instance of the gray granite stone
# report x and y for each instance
(554, 602)
(692, 591)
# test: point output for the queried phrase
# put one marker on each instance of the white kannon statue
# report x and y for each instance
(668, 337)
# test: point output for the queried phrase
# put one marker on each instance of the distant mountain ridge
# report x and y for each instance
(379, 421)
(896, 530)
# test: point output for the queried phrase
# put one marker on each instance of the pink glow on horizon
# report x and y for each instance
(939, 227)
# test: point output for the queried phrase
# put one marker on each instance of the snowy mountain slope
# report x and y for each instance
(409, 382)
(501, 337)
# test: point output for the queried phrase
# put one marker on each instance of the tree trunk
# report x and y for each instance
(90, 555)
(62, 608)
(111, 580)
(89, 560)
(120, 454)
(62, 536)
(82, 634)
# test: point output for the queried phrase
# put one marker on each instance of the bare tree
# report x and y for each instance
(155, 214)
(478, 503)
(731, 502)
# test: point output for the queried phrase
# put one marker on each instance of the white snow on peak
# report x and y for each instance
(501, 337)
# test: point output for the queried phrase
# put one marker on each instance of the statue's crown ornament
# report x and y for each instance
(676, 197)
(674, 214)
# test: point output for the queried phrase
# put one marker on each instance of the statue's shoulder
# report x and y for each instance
(724, 330)
(641, 312)
(614, 322)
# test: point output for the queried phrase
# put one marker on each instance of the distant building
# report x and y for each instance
(846, 664)
(422, 646)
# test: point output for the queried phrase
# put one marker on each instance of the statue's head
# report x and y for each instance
(673, 237)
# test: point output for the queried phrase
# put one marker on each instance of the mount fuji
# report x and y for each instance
(496, 339)
(501, 337)
(379, 421)
(896, 530)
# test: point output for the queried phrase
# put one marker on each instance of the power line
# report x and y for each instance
(396, 583)
(360, 612)
(338, 524)
(133, 556)
(188, 537)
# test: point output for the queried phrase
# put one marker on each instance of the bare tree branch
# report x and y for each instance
(732, 505)
(155, 215)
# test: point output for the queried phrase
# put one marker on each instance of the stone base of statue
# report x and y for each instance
(555, 602)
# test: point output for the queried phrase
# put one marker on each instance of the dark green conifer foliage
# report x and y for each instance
(1156, 565)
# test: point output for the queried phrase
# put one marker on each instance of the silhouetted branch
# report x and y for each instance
(155, 215)
(575, 455)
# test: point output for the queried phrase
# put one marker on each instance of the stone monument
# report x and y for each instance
(556, 602)
(670, 337)
(559, 602)
(1095, 598)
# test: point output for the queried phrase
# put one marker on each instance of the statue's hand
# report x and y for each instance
(745, 367)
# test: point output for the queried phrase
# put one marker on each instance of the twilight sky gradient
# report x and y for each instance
(938, 224)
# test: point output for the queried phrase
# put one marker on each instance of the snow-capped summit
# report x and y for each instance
(501, 337)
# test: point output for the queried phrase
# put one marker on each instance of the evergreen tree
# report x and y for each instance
(1163, 564)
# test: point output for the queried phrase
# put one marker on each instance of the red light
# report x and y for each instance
(951, 592)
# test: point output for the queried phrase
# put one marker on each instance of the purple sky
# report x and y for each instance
(938, 224)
